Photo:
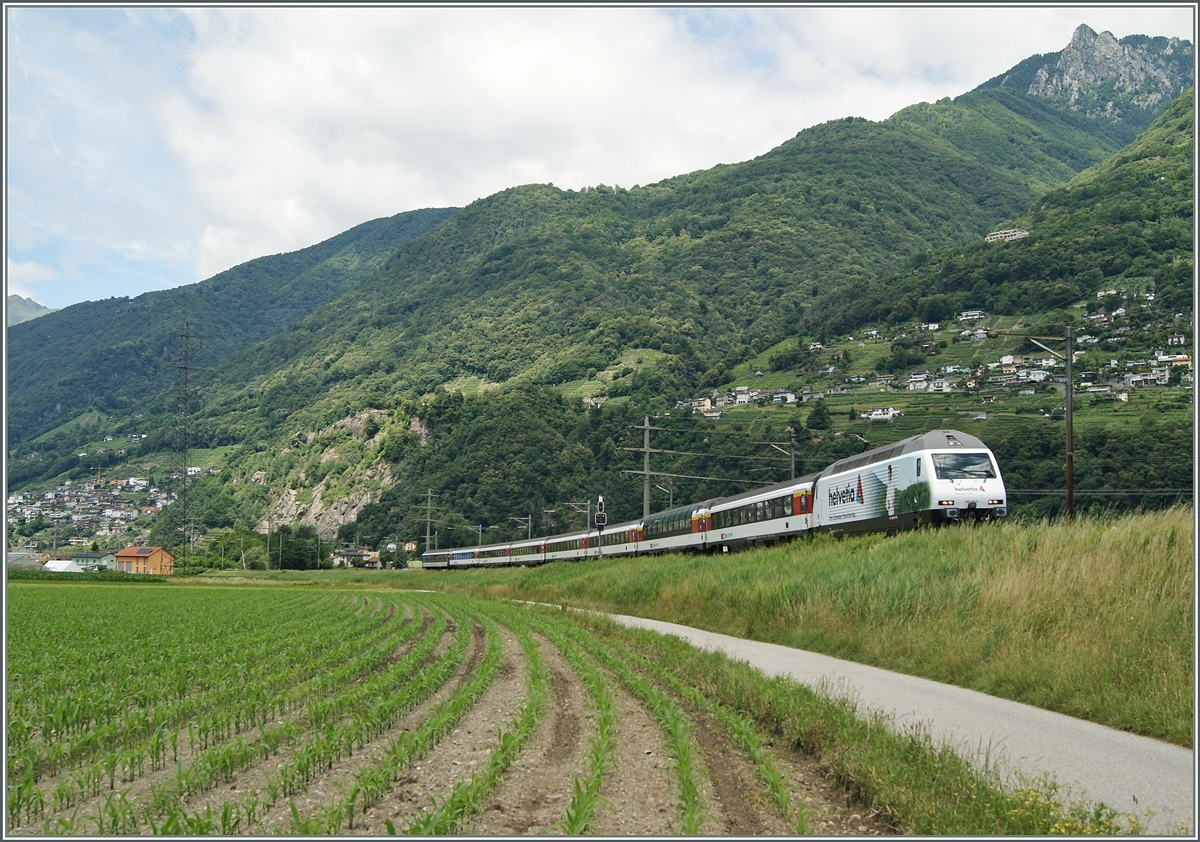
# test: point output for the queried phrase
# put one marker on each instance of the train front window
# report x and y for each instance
(963, 466)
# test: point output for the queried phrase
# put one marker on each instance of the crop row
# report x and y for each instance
(277, 650)
(122, 696)
(344, 680)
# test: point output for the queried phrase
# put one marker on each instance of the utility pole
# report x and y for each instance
(1070, 359)
(528, 521)
(428, 517)
(586, 510)
(792, 439)
(792, 452)
(645, 471)
(183, 397)
(1067, 357)
(670, 495)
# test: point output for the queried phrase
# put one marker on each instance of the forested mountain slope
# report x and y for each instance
(114, 354)
(848, 223)
(1127, 219)
(548, 285)
(540, 285)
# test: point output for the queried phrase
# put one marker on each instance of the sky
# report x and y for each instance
(146, 148)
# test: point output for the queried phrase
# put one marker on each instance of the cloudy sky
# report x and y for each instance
(148, 148)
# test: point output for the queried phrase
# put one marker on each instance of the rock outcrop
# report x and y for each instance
(1102, 77)
(327, 516)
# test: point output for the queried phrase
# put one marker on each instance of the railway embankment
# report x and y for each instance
(1093, 619)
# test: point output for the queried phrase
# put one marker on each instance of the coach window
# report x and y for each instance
(918, 466)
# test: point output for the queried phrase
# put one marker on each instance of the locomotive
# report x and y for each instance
(938, 477)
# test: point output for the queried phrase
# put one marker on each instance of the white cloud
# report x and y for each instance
(22, 278)
(153, 147)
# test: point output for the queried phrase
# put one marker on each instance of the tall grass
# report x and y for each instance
(1092, 618)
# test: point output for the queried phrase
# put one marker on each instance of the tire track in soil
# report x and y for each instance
(535, 791)
(333, 784)
(639, 794)
(143, 783)
(459, 754)
(737, 801)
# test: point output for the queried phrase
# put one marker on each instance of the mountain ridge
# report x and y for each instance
(19, 310)
(61, 364)
(1126, 81)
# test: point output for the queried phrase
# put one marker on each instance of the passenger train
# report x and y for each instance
(938, 477)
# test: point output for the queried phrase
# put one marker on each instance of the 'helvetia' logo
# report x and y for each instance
(849, 493)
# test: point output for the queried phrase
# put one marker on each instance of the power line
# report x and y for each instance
(1099, 492)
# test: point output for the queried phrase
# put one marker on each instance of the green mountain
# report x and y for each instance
(115, 354)
(646, 294)
(543, 286)
(1127, 221)
(18, 309)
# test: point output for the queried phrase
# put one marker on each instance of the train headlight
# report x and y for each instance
(995, 502)
(945, 502)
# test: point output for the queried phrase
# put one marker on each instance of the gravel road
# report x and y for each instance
(1147, 778)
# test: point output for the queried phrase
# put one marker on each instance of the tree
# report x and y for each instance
(295, 547)
(818, 417)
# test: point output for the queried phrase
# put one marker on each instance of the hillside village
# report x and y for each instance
(83, 513)
(1103, 337)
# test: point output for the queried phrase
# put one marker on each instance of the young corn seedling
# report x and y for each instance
(465, 799)
(740, 729)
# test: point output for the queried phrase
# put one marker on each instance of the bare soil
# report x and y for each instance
(639, 793)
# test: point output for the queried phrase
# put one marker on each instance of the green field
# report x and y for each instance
(297, 703)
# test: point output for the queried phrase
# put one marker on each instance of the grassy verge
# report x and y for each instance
(923, 789)
(1092, 619)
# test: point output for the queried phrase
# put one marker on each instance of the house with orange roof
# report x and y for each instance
(145, 560)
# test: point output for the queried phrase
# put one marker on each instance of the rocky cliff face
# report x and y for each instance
(331, 502)
(328, 515)
(1100, 76)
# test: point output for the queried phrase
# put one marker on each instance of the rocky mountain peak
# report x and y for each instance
(1102, 77)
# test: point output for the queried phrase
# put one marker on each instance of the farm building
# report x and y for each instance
(145, 560)
(99, 559)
